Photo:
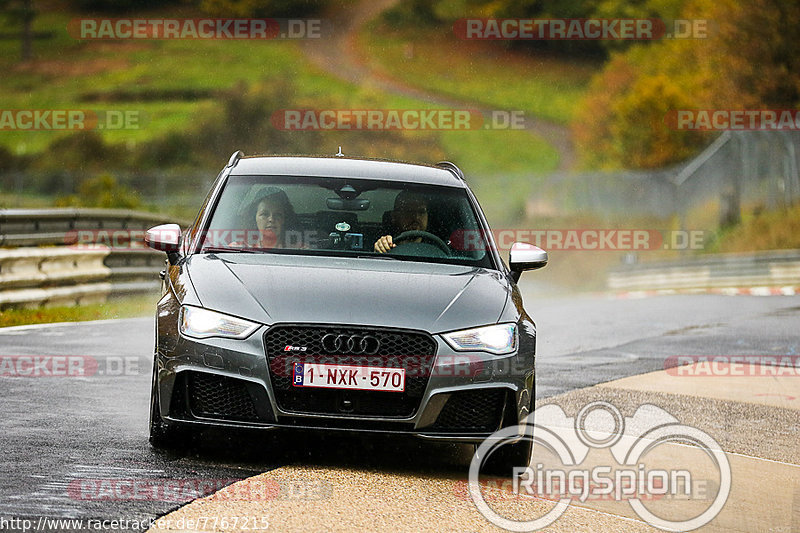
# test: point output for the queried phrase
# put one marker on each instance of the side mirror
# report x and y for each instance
(524, 256)
(164, 238)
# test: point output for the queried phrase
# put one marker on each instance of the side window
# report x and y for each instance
(465, 235)
(195, 227)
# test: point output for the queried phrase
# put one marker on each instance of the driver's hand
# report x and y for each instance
(384, 244)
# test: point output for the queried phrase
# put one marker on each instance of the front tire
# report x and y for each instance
(163, 435)
(509, 456)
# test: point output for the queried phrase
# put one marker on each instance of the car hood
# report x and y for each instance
(273, 288)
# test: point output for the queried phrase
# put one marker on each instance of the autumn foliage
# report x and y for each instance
(750, 60)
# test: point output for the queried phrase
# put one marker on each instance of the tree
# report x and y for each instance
(750, 60)
(102, 191)
(763, 48)
(260, 8)
(641, 136)
(21, 13)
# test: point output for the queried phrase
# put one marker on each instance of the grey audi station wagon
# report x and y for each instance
(342, 294)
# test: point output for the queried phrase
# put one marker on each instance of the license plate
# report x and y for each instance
(349, 377)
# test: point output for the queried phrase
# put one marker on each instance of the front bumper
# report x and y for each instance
(219, 382)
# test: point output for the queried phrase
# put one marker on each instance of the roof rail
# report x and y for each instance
(447, 165)
(237, 155)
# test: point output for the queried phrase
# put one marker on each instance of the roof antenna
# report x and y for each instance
(339, 153)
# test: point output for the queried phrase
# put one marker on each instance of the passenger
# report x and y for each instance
(274, 217)
(410, 213)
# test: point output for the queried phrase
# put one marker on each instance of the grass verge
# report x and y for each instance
(174, 83)
(169, 84)
(485, 73)
(762, 230)
(117, 307)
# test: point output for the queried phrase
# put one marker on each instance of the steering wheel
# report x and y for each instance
(425, 236)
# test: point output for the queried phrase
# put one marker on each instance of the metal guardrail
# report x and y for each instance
(773, 268)
(31, 277)
(739, 168)
(75, 256)
(135, 270)
(51, 264)
(37, 227)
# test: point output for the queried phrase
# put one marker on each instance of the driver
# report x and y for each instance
(410, 213)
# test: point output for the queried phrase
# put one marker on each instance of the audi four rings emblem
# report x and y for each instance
(351, 344)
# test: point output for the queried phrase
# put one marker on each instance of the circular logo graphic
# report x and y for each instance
(569, 441)
(351, 344)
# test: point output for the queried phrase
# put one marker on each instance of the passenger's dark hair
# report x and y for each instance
(274, 194)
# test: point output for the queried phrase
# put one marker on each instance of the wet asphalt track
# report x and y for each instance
(63, 438)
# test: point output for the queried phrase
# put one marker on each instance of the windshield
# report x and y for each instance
(347, 217)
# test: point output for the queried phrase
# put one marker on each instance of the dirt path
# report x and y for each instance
(340, 56)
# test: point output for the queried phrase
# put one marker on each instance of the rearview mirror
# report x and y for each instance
(347, 204)
(524, 256)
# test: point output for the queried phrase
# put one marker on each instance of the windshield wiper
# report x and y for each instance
(222, 249)
(380, 256)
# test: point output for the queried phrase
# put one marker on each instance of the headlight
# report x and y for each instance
(498, 339)
(201, 323)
